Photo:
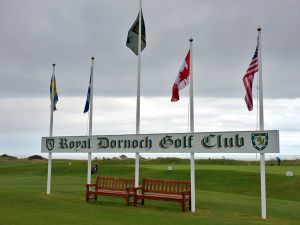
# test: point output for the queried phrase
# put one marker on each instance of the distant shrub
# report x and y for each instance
(35, 157)
(8, 156)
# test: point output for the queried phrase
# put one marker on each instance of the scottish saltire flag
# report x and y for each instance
(133, 35)
(55, 97)
(88, 97)
(248, 79)
(182, 79)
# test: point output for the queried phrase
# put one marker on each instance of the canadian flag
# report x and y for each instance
(182, 78)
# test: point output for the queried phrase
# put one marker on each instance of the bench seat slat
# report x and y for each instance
(164, 196)
(110, 192)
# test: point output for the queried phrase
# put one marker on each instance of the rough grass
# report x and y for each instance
(225, 194)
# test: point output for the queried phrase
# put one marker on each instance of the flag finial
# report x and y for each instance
(53, 64)
(93, 58)
(191, 39)
(259, 28)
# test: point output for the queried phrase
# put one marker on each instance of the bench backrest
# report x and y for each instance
(114, 183)
(166, 186)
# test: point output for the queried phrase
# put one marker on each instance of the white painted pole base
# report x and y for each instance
(137, 169)
(263, 186)
(193, 202)
(49, 173)
(89, 168)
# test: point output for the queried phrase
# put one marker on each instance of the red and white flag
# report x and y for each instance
(248, 79)
(182, 78)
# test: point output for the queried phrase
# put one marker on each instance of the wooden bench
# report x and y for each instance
(111, 186)
(165, 190)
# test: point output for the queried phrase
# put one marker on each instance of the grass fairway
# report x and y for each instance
(226, 193)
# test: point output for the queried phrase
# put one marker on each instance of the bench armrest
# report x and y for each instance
(138, 188)
(129, 190)
(135, 189)
(89, 185)
(186, 193)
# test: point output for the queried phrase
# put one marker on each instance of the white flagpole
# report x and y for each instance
(261, 128)
(51, 131)
(91, 121)
(138, 95)
(193, 202)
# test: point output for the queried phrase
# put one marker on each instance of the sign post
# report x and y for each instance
(262, 142)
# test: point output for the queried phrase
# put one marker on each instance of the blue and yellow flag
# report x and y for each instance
(55, 98)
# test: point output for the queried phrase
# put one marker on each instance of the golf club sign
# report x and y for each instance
(201, 142)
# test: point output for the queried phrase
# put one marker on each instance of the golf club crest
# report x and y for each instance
(260, 140)
(50, 144)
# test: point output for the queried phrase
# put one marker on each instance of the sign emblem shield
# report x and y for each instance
(50, 144)
(260, 141)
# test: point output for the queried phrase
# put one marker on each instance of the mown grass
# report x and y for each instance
(225, 194)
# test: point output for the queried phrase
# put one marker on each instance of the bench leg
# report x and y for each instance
(135, 201)
(127, 200)
(138, 201)
(87, 196)
(183, 205)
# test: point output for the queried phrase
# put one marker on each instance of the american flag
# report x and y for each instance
(248, 79)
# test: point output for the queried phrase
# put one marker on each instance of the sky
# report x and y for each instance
(35, 34)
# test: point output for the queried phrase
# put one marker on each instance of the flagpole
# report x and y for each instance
(91, 121)
(192, 155)
(138, 95)
(51, 131)
(261, 128)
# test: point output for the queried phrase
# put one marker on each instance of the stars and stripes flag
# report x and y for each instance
(182, 79)
(55, 97)
(248, 79)
(88, 97)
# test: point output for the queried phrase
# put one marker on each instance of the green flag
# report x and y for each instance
(133, 36)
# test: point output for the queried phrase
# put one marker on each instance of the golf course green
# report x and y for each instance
(227, 192)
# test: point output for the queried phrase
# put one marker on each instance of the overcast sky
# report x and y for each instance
(35, 33)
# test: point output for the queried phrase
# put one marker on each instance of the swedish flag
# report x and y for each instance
(55, 97)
